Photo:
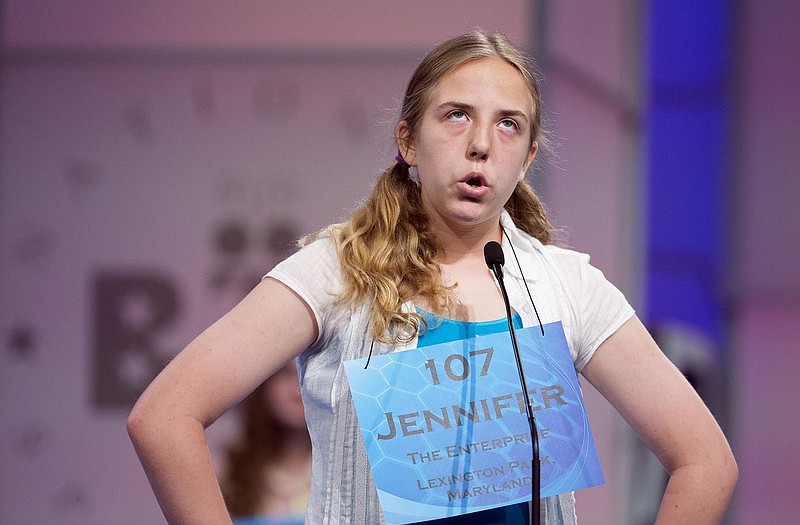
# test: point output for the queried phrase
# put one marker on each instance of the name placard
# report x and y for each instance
(446, 430)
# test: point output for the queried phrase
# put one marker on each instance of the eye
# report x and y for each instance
(457, 115)
(510, 124)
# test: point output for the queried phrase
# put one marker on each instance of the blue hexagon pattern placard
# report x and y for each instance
(446, 430)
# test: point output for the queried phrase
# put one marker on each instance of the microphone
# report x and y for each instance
(493, 255)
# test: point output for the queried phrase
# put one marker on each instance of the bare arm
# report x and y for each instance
(653, 396)
(214, 372)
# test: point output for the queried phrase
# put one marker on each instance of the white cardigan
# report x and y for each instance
(564, 286)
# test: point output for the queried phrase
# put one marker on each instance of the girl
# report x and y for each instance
(408, 263)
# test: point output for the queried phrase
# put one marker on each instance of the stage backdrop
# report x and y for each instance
(156, 161)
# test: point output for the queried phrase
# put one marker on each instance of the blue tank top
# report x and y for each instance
(443, 330)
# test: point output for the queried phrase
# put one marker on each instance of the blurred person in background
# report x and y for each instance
(268, 470)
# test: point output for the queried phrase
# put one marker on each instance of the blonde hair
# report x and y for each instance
(387, 250)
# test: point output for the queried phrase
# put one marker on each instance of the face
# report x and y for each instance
(473, 144)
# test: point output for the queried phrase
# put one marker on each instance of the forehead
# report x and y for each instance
(489, 81)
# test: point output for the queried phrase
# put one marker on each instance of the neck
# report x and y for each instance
(460, 242)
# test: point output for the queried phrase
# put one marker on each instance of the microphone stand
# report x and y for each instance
(535, 507)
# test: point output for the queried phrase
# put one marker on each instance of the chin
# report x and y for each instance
(475, 214)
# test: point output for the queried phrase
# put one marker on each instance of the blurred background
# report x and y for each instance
(157, 158)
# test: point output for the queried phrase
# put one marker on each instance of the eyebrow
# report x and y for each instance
(471, 108)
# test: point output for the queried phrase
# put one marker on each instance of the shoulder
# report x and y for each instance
(317, 256)
(579, 278)
(321, 245)
(562, 261)
(562, 258)
(573, 268)
(312, 272)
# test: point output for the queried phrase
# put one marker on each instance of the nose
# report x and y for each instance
(478, 154)
(480, 143)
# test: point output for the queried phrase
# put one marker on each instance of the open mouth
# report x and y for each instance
(473, 187)
(474, 180)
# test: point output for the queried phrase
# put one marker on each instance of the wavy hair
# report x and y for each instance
(387, 250)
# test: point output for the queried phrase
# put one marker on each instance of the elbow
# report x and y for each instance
(151, 424)
(713, 468)
(135, 423)
(721, 471)
(138, 423)
(731, 471)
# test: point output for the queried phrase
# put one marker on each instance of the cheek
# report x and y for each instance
(433, 142)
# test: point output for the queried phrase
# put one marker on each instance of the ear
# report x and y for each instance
(405, 143)
(529, 159)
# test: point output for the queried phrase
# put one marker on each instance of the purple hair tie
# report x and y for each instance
(400, 160)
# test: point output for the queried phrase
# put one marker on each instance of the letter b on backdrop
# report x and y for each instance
(131, 311)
